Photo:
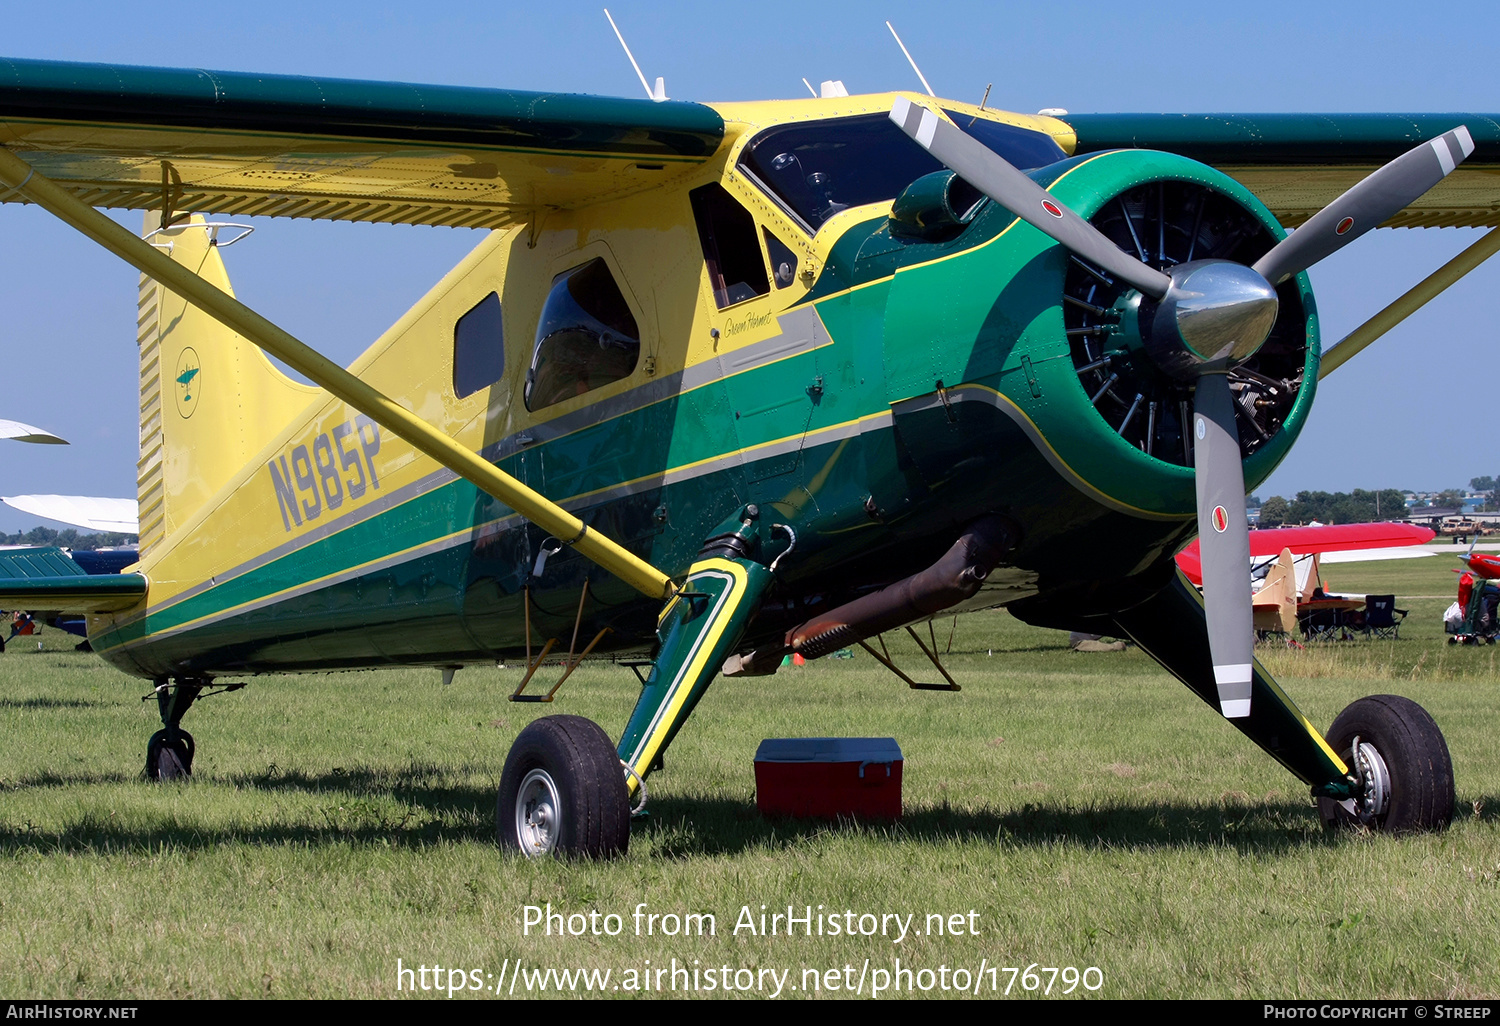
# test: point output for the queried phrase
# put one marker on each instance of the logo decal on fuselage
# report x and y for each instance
(187, 378)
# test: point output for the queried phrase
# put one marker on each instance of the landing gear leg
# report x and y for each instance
(701, 628)
(1384, 763)
(564, 790)
(169, 753)
(1171, 627)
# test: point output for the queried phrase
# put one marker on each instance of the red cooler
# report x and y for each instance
(828, 777)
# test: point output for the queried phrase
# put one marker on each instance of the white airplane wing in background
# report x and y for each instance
(19, 432)
(96, 514)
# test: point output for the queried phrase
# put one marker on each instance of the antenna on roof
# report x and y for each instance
(660, 92)
(909, 60)
(809, 85)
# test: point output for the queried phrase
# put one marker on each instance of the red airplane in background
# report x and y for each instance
(1286, 598)
(1303, 541)
(1483, 564)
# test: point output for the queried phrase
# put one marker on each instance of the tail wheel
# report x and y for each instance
(563, 792)
(169, 760)
(1401, 760)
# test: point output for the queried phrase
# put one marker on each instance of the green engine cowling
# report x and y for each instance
(1057, 347)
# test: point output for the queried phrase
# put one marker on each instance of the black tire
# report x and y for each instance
(169, 761)
(1416, 758)
(566, 764)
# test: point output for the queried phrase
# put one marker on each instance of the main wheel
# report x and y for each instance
(169, 761)
(1402, 759)
(563, 792)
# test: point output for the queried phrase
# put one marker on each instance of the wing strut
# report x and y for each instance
(546, 514)
(1418, 296)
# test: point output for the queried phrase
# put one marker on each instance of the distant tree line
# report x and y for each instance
(68, 539)
(1357, 507)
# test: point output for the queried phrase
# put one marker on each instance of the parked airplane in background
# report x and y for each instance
(1319, 538)
(87, 511)
(1483, 564)
(78, 510)
(1286, 576)
(18, 432)
(726, 382)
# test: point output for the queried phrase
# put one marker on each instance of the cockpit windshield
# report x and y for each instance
(818, 168)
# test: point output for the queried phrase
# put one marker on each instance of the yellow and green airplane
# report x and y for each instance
(723, 383)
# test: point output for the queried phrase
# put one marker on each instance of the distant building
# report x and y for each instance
(1431, 515)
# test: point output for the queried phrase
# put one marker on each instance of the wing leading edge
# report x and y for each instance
(1299, 163)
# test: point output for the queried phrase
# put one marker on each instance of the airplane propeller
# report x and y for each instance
(1209, 316)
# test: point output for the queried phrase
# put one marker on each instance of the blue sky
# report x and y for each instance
(1408, 413)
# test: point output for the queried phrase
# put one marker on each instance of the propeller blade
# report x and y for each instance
(1370, 203)
(994, 176)
(1224, 542)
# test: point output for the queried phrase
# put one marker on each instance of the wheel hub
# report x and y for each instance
(1373, 779)
(538, 809)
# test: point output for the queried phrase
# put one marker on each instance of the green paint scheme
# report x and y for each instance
(46, 577)
(1248, 139)
(339, 108)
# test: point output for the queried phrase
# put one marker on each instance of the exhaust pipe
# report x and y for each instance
(952, 579)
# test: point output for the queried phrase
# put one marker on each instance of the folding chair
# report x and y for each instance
(1382, 618)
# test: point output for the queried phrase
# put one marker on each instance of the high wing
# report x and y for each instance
(292, 146)
(1298, 163)
(1308, 540)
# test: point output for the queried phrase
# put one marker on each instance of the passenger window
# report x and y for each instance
(783, 260)
(478, 348)
(736, 270)
(586, 338)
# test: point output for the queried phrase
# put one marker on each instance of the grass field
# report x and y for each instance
(1087, 809)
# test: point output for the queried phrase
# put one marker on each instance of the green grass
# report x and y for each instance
(1090, 810)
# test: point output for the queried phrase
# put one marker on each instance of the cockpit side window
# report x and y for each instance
(478, 347)
(736, 270)
(586, 337)
(818, 168)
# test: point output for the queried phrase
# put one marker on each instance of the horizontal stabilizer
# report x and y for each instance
(46, 578)
(96, 514)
